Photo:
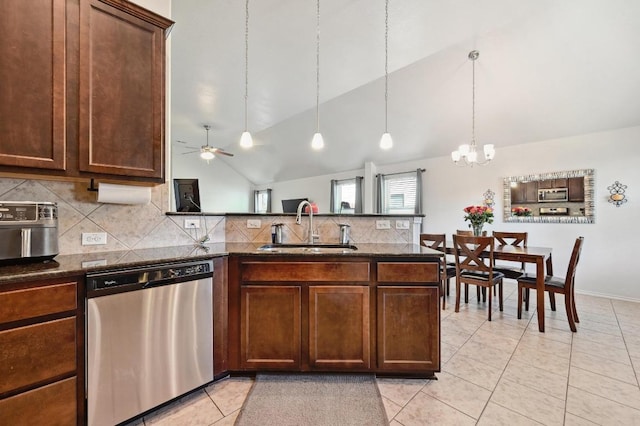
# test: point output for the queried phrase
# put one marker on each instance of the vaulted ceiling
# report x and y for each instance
(547, 69)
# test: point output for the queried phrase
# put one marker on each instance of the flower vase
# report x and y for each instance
(477, 229)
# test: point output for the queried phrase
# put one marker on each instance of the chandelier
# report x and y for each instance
(317, 142)
(468, 152)
(386, 142)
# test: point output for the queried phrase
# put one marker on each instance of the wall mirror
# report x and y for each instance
(560, 197)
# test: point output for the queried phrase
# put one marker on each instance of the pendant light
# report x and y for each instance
(468, 152)
(386, 142)
(317, 142)
(246, 141)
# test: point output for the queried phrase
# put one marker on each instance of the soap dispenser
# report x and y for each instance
(344, 233)
(276, 233)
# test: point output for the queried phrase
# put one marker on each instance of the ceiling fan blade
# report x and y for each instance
(190, 152)
(221, 152)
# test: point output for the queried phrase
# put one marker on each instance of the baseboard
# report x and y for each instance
(607, 296)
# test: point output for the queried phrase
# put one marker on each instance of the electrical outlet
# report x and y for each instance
(94, 238)
(94, 263)
(402, 224)
(192, 223)
(383, 224)
(254, 223)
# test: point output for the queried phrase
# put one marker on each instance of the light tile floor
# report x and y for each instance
(502, 372)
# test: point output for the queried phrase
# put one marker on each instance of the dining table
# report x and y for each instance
(539, 256)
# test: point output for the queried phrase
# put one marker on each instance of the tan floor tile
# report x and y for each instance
(534, 340)
(400, 391)
(613, 329)
(552, 332)
(484, 353)
(474, 371)
(496, 415)
(601, 350)
(426, 410)
(542, 360)
(602, 338)
(573, 420)
(229, 393)
(455, 338)
(194, 410)
(600, 410)
(446, 352)
(503, 329)
(604, 366)
(529, 402)
(459, 394)
(606, 387)
(536, 378)
(504, 344)
(391, 408)
(230, 420)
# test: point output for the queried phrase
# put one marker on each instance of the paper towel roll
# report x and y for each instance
(123, 194)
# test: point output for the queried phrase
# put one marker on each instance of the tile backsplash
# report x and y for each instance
(148, 226)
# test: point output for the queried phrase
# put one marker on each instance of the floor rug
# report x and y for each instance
(313, 400)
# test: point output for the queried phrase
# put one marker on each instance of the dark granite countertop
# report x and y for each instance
(79, 264)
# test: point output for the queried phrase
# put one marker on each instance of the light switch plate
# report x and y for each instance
(402, 224)
(254, 223)
(383, 224)
(192, 223)
(94, 238)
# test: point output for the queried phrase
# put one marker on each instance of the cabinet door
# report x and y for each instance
(576, 189)
(339, 327)
(54, 404)
(408, 329)
(121, 87)
(270, 327)
(32, 83)
(530, 192)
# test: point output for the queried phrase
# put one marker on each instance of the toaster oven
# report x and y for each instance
(28, 231)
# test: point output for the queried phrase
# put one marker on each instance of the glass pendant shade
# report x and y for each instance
(489, 151)
(246, 141)
(317, 142)
(207, 155)
(386, 142)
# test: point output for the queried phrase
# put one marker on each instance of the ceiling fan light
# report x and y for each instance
(246, 141)
(317, 142)
(386, 142)
(207, 155)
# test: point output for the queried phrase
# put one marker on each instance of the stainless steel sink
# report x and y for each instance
(307, 248)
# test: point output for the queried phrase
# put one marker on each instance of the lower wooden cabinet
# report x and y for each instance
(41, 355)
(408, 328)
(339, 327)
(334, 314)
(270, 327)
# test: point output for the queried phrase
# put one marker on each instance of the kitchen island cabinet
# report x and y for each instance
(335, 313)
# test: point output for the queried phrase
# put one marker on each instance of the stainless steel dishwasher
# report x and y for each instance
(149, 337)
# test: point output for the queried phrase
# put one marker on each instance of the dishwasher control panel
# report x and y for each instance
(147, 276)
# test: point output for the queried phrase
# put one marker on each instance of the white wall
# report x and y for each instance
(222, 189)
(610, 247)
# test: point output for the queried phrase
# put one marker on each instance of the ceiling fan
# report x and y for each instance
(207, 152)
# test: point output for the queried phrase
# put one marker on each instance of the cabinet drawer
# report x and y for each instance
(34, 302)
(37, 352)
(408, 272)
(305, 271)
(54, 404)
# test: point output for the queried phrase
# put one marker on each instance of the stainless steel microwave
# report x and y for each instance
(553, 195)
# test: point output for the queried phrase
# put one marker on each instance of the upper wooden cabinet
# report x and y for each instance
(32, 76)
(86, 89)
(122, 62)
(576, 189)
(524, 192)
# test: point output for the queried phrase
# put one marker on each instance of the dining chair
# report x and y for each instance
(554, 285)
(511, 270)
(474, 266)
(447, 270)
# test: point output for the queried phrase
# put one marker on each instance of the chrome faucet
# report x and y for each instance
(311, 238)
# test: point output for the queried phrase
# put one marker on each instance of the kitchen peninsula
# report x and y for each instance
(374, 309)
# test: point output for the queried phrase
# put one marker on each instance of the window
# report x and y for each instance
(346, 196)
(400, 193)
(262, 201)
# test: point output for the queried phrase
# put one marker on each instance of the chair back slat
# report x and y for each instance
(434, 241)
(511, 238)
(474, 253)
